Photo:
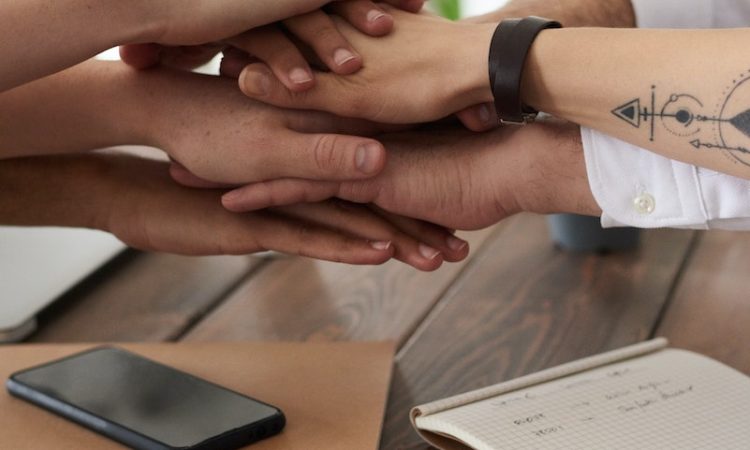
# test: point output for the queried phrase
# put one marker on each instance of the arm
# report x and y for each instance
(600, 78)
(99, 104)
(136, 200)
(571, 13)
(41, 37)
(691, 106)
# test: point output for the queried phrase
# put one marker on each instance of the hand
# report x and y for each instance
(271, 44)
(208, 126)
(457, 179)
(428, 68)
(135, 199)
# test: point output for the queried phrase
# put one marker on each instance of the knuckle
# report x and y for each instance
(326, 155)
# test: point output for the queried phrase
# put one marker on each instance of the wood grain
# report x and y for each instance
(524, 306)
(143, 297)
(710, 311)
(299, 299)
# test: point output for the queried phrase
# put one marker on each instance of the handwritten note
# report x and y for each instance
(668, 399)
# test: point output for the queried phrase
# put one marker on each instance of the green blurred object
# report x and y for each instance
(450, 9)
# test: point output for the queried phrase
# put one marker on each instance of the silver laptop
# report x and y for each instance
(38, 265)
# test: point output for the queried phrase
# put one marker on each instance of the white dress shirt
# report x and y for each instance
(635, 187)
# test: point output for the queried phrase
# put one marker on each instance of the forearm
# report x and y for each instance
(70, 191)
(644, 87)
(41, 37)
(572, 13)
(92, 105)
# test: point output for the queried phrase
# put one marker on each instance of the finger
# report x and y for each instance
(407, 5)
(479, 117)
(331, 157)
(188, 57)
(317, 30)
(141, 56)
(364, 15)
(358, 220)
(272, 231)
(182, 176)
(330, 94)
(276, 193)
(234, 61)
(434, 236)
(270, 45)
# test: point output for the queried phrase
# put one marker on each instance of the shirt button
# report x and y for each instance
(645, 204)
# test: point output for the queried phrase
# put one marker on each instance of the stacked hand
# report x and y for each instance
(312, 178)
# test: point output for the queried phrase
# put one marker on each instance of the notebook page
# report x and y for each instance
(671, 399)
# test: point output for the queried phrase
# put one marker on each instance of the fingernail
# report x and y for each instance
(374, 15)
(484, 114)
(456, 244)
(367, 158)
(256, 83)
(299, 75)
(343, 56)
(380, 245)
(428, 252)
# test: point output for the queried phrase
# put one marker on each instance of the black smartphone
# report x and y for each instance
(145, 405)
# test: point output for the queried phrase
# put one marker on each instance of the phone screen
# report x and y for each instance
(151, 399)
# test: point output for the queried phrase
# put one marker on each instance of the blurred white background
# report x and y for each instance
(475, 7)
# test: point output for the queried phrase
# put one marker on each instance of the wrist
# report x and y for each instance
(74, 191)
(142, 106)
(472, 68)
(119, 103)
(536, 86)
(556, 179)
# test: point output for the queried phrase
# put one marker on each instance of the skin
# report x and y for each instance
(569, 73)
(274, 44)
(136, 200)
(456, 178)
(201, 121)
(92, 27)
(571, 13)
(98, 104)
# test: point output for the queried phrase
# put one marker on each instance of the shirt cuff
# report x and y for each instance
(674, 13)
(638, 188)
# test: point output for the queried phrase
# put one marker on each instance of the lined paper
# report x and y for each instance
(671, 399)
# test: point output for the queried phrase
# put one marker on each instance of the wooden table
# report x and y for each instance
(517, 305)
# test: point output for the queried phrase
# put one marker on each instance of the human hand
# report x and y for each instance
(207, 125)
(427, 69)
(272, 45)
(457, 179)
(148, 211)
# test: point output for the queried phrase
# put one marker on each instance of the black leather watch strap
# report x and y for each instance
(510, 48)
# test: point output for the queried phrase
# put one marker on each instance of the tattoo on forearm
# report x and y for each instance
(726, 127)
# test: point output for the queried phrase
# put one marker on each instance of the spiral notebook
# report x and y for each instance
(645, 396)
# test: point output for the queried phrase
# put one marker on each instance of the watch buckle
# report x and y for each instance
(526, 118)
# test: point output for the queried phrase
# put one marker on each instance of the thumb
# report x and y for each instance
(479, 117)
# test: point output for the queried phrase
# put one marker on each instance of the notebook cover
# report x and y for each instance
(333, 394)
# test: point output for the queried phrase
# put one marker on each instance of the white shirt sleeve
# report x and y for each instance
(635, 187)
(692, 13)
